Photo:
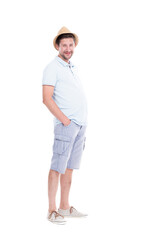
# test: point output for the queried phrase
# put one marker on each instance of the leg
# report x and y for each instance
(53, 178)
(65, 181)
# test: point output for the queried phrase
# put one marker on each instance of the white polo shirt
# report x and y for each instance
(68, 90)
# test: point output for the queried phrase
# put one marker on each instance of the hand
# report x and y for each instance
(67, 122)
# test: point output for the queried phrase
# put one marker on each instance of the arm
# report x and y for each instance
(52, 106)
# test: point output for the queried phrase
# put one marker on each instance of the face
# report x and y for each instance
(66, 48)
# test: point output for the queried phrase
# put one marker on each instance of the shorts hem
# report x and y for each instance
(73, 168)
(63, 172)
(57, 170)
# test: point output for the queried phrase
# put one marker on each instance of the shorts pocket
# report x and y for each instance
(68, 125)
(61, 143)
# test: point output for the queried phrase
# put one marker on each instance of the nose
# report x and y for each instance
(68, 48)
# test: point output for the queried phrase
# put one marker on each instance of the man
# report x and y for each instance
(64, 96)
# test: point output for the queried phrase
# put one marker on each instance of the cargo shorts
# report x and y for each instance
(68, 146)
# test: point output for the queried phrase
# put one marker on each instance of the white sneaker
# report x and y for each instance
(55, 217)
(71, 212)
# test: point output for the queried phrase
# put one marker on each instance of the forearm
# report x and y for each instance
(55, 110)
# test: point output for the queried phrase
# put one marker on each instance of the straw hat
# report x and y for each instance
(64, 30)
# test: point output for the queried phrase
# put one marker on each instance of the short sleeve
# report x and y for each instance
(49, 75)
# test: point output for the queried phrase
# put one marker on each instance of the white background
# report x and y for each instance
(118, 57)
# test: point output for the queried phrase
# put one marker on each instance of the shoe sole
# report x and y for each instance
(75, 216)
(57, 222)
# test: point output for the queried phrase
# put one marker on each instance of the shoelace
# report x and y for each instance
(71, 209)
(56, 214)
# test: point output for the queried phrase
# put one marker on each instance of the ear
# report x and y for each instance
(57, 47)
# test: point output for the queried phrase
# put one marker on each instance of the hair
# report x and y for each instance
(64, 35)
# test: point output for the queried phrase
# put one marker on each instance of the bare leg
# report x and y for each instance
(53, 178)
(65, 181)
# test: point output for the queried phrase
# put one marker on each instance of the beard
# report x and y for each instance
(64, 56)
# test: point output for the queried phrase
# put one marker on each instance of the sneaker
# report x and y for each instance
(55, 217)
(71, 212)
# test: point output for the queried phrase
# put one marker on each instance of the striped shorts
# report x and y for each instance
(69, 144)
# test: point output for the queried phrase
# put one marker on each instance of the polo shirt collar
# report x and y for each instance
(65, 64)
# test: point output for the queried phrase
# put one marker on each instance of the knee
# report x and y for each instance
(66, 182)
(53, 173)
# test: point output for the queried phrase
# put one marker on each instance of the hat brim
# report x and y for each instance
(75, 35)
